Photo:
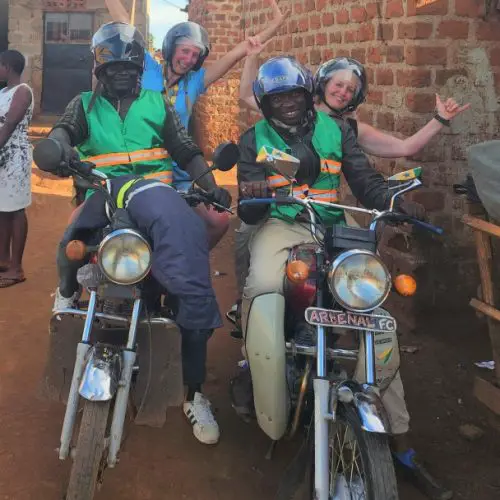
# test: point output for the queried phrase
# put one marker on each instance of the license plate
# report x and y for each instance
(347, 319)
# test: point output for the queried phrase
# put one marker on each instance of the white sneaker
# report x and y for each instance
(61, 302)
(198, 412)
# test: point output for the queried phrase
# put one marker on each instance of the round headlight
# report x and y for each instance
(359, 280)
(124, 257)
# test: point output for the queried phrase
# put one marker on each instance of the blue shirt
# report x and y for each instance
(190, 88)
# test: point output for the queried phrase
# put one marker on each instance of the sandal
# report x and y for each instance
(6, 282)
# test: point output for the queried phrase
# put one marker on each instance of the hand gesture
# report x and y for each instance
(449, 109)
(278, 16)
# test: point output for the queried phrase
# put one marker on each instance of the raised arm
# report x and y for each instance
(117, 11)
(220, 67)
(20, 102)
(381, 144)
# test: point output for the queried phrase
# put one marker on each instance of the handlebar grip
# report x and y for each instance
(257, 201)
(428, 227)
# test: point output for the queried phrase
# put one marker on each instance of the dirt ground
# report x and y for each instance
(168, 463)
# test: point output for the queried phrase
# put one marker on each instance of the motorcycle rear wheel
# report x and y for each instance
(89, 458)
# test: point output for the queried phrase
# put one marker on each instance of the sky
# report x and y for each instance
(162, 16)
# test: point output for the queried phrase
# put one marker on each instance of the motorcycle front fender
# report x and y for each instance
(102, 373)
(369, 407)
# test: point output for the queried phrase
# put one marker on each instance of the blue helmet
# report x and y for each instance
(282, 74)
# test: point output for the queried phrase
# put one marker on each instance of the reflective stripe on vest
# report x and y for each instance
(327, 167)
(110, 159)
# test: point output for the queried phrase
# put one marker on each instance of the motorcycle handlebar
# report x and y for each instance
(386, 215)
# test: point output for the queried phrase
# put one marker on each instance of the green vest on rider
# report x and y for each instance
(327, 141)
(133, 146)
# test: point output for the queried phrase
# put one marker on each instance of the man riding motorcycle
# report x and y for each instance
(132, 136)
(326, 147)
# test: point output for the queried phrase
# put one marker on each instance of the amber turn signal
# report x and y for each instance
(405, 285)
(297, 271)
(76, 250)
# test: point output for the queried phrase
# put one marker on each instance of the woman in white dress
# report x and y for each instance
(16, 108)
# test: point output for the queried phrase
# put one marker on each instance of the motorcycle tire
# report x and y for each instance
(380, 477)
(89, 451)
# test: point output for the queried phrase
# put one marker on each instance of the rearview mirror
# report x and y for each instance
(279, 162)
(225, 156)
(47, 155)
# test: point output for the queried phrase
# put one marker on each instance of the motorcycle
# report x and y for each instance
(333, 287)
(128, 355)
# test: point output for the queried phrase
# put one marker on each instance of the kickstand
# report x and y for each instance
(270, 451)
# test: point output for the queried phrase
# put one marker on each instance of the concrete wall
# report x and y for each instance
(26, 30)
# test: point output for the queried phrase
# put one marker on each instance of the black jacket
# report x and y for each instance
(178, 143)
(367, 185)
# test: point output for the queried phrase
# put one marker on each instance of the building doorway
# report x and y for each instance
(67, 60)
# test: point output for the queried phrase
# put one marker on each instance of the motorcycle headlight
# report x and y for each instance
(359, 280)
(124, 257)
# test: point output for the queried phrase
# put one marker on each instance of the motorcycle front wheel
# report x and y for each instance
(360, 465)
(89, 460)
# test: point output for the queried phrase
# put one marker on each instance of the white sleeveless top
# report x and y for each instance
(15, 158)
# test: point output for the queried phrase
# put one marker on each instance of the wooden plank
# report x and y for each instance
(481, 225)
(490, 311)
(488, 394)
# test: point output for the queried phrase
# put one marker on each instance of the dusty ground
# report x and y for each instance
(167, 463)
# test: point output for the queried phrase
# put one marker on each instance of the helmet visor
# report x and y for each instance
(346, 78)
(115, 42)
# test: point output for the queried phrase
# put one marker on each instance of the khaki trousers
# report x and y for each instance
(269, 249)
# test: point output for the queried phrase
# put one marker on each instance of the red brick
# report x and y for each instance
(336, 37)
(287, 44)
(394, 8)
(298, 8)
(310, 5)
(366, 33)
(443, 75)
(385, 121)
(372, 10)
(327, 19)
(350, 36)
(315, 57)
(370, 75)
(436, 7)
(321, 39)
(408, 126)
(420, 103)
(358, 14)
(488, 31)
(321, 4)
(342, 16)
(342, 53)
(415, 30)
(458, 30)
(417, 56)
(432, 200)
(304, 24)
(294, 27)
(359, 55)
(470, 8)
(365, 115)
(497, 81)
(385, 32)
(327, 54)
(375, 97)
(413, 77)
(309, 41)
(315, 22)
(384, 76)
(374, 55)
(495, 56)
(395, 54)
(298, 42)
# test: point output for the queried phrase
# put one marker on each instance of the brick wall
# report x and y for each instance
(217, 113)
(412, 49)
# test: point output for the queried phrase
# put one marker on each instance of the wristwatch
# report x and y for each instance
(442, 120)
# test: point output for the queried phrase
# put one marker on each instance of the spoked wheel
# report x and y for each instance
(361, 466)
(89, 461)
